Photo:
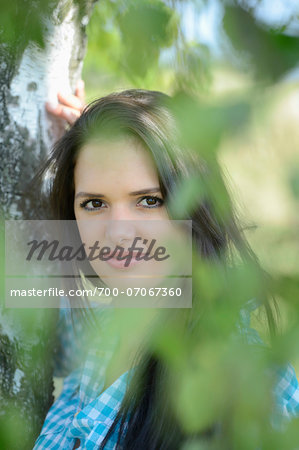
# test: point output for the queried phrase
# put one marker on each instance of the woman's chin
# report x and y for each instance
(134, 284)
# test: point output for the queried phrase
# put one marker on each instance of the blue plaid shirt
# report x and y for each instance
(84, 412)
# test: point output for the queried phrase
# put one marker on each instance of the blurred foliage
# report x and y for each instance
(127, 37)
(146, 28)
(141, 44)
(127, 42)
(21, 21)
(218, 378)
(192, 66)
(215, 119)
(271, 53)
(293, 180)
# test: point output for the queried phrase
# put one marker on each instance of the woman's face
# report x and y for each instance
(117, 180)
(118, 198)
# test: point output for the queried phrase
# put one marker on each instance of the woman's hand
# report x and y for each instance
(70, 106)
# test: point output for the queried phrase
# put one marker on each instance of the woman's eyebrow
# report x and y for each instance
(140, 192)
(88, 194)
(146, 191)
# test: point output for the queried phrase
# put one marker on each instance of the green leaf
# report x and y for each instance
(271, 52)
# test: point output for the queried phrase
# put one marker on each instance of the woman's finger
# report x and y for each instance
(70, 100)
(68, 113)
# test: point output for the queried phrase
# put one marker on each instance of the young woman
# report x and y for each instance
(121, 161)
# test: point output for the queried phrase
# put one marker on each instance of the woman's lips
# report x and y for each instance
(128, 261)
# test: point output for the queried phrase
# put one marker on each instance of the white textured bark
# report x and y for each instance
(27, 79)
(42, 72)
(27, 130)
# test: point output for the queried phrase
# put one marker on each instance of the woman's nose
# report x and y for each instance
(121, 226)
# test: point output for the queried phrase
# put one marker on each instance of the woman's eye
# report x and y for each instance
(151, 202)
(92, 205)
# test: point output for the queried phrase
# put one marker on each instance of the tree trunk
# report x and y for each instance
(30, 74)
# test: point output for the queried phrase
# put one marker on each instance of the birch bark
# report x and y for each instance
(29, 75)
